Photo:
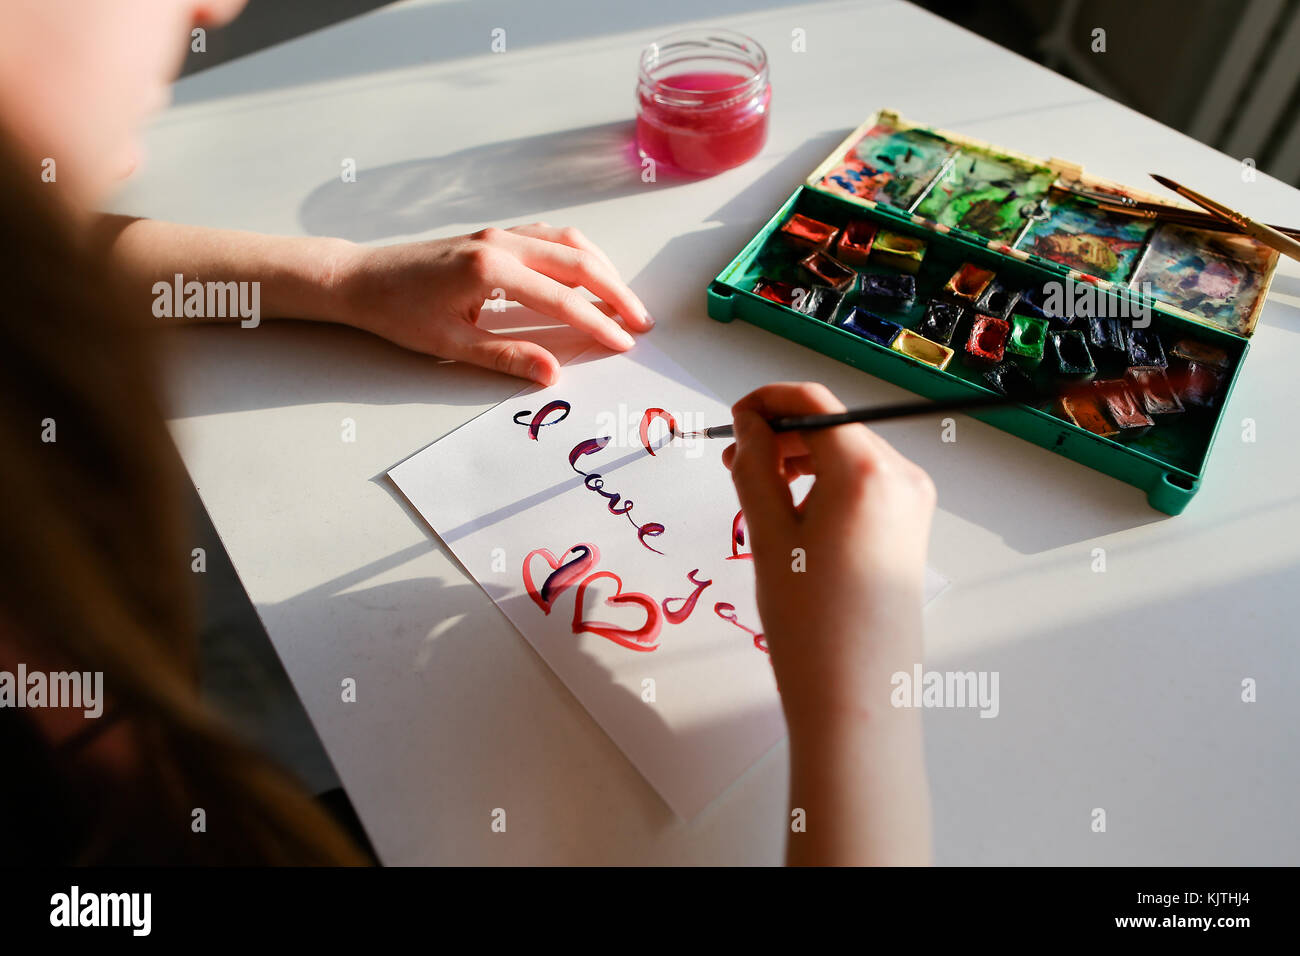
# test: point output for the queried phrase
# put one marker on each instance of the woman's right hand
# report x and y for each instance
(839, 578)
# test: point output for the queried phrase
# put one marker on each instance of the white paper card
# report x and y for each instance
(684, 689)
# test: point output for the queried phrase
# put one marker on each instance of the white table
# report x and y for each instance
(1119, 690)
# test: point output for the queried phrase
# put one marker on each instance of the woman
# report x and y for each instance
(96, 571)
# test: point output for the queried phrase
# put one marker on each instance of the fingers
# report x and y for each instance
(845, 458)
(500, 353)
(543, 294)
(792, 466)
(567, 235)
(570, 257)
(790, 446)
(842, 455)
(763, 490)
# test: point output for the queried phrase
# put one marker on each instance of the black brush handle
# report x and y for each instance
(793, 423)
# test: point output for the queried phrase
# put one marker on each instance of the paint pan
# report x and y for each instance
(829, 271)
(871, 327)
(821, 303)
(1144, 348)
(1123, 408)
(1086, 412)
(1039, 302)
(1200, 385)
(969, 282)
(804, 232)
(898, 251)
(997, 300)
(1153, 389)
(922, 349)
(1190, 350)
(782, 293)
(893, 292)
(987, 342)
(1032, 301)
(941, 320)
(1027, 340)
(1106, 338)
(854, 245)
(1071, 359)
(1011, 380)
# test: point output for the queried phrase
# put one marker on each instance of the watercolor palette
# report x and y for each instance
(1022, 206)
(959, 269)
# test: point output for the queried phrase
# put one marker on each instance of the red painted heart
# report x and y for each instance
(644, 638)
(562, 577)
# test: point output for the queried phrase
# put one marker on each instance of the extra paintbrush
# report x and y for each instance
(1121, 205)
(1265, 234)
(1185, 217)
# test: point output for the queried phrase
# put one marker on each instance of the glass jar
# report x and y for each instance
(702, 100)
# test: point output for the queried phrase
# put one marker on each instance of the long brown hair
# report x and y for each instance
(96, 562)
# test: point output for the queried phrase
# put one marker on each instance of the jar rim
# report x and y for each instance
(707, 42)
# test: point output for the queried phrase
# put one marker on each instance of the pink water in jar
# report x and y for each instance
(702, 100)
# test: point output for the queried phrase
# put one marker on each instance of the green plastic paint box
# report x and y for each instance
(1039, 227)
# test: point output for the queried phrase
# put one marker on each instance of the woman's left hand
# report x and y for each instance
(427, 296)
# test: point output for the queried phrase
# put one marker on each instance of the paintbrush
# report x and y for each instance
(1265, 234)
(1185, 217)
(1096, 195)
(1121, 205)
(791, 423)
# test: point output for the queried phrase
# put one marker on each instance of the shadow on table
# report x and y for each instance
(1010, 773)
(1281, 312)
(512, 724)
(510, 180)
(415, 34)
(494, 746)
(285, 364)
(1137, 711)
(1033, 499)
(281, 364)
